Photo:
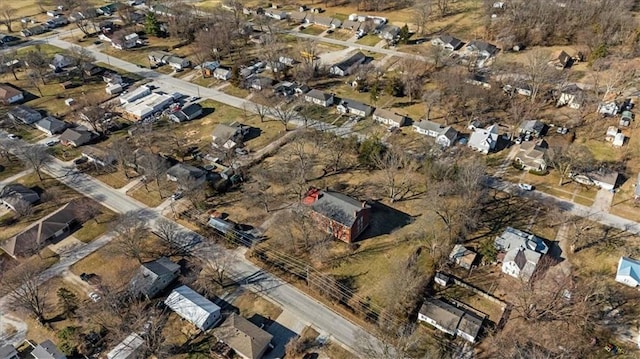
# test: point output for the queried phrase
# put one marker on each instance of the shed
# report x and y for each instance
(193, 307)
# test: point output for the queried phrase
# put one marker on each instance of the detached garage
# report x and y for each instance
(193, 307)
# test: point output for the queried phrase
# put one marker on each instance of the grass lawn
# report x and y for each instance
(65, 153)
(140, 55)
(369, 40)
(206, 82)
(126, 74)
(313, 30)
(468, 297)
(10, 168)
(256, 308)
(340, 35)
(49, 50)
(94, 228)
(114, 179)
(153, 196)
(236, 91)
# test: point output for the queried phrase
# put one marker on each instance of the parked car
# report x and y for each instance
(13, 137)
(176, 196)
(95, 296)
(81, 160)
(53, 142)
(525, 186)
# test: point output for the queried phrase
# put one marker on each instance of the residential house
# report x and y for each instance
(618, 140)
(10, 95)
(298, 16)
(34, 30)
(389, 32)
(463, 256)
(51, 125)
(209, 67)
(276, 14)
(521, 263)
(193, 307)
(602, 178)
(187, 113)
(227, 137)
(628, 272)
(522, 252)
(612, 131)
(8, 351)
(324, 21)
(481, 48)
(519, 87)
(129, 348)
(572, 96)
(186, 174)
(260, 83)
(447, 42)
(484, 140)
(53, 227)
(341, 216)
(222, 73)
(246, 339)
(109, 9)
(351, 25)
(98, 156)
(347, 66)
(532, 127)
(76, 137)
(113, 89)
(161, 10)
(91, 69)
(153, 277)
(353, 107)
(126, 42)
(626, 118)
(177, 62)
(47, 350)
(289, 61)
(442, 315)
(560, 60)
(285, 88)
(390, 118)
(112, 78)
(470, 326)
(532, 155)
(60, 62)
(13, 195)
(445, 135)
(442, 279)
(142, 160)
(135, 94)
(24, 114)
(158, 57)
(319, 98)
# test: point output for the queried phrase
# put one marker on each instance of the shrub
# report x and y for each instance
(538, 173)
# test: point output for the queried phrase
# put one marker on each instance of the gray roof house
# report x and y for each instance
(319, 98)
(346, 66)
(447, 42)
(47, 350)
(8, 352)
(51, 125)
(532, 127)
(227, 137)
(445, 136)
(484, 140)
(246, 339)
(353, 107)
(470, 326)
(532, 155)
(352, 25)
(13, 194)
(61, 61)
(451, 319)
(521, 263)
(222, 73)
(184, 173)
(389, 118)
(153, 277)
(24, 114)
(389, 32)
(481, 48)
(515, 238)
(298, 16)
(339, 215)
(76, 136)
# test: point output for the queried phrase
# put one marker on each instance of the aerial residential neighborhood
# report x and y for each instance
(250, 179)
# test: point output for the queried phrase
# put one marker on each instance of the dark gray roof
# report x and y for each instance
(151, 272)
(162, 266)
(25, 114)
(16, 192)
(78, 135)
(446, 315)
(317, 94)
(339, 207)
(356, 105)
(470, 324)
(244, 337)
(352, 60)
(192, 109)
(52, 124)
(483, 46)
(183, 171)
(450, 40)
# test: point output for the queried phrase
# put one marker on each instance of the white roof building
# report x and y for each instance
(128, 348)
(136, 94)
(484, 140)
(148, 105)
(628, 272)
(193, 307)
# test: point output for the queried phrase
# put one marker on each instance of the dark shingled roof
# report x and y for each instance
(338, 207)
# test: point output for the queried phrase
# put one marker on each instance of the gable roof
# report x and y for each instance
(483, 46)
(51, 124)
(223, 133)
(161, 266)
(628, 268)
(446, 315)
(40, 231)
(356, 58)
(429, 126)
(7, 92)
(525, 259)
(127, 349)
(47, 350)
(482, 137)
(450, 133)
(78, 135)
(450, 40)
(515, 238)
(532, 126)
(319, 95)
(191, 306)
(15, 192)
(25, 114)
(348, 103)
(470, 324)
(337, 206)
(244, 337)
(183, 171)
(389, 115)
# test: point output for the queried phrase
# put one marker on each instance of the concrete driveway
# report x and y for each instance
(285, 327)
(603, 201)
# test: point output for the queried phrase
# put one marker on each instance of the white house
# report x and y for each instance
(193, 307)
(603, 179)
(484, 140)
(447, 42)
(10, 95)
(445, 135)
(451, 319)
(353, 107)
(389, 118)
(222, 74)
(126, 42)
(129, 348)
(319, 98)
(520, 262)
(628, 272)
(47, 350)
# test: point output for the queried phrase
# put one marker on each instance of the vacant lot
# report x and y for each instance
(255, 308)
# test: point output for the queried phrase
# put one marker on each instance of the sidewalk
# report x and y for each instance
(13, 178)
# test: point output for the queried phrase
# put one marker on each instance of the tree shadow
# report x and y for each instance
(384, 220)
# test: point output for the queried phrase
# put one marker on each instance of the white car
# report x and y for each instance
(95, 296)
(525, 186)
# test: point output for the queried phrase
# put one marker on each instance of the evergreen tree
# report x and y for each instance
(404, 34)
(151, 25)
(68, 301)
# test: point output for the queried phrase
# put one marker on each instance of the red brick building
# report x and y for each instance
(341, 216)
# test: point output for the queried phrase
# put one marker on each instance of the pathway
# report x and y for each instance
(16, 176)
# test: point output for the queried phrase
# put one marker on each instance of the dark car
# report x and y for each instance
(81, 160)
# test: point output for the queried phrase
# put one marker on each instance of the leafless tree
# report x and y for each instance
(421, 13)
(86, 209)
(38, 63)
(124, 154)
(82, 58)
(284, 113)
(25, 290)
(155, 167)
(271, 49)
(397, 172)
(7, 14)
(216, 265)
(175, 241)
(443, 7)
(35, 157)
(7, 63)
(261, 110)
(95, 113)
(132, 232)
(22, 208)
(565, 159)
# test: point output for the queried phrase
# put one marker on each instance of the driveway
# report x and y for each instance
(603, 201)
(285, 327)
(66, 245)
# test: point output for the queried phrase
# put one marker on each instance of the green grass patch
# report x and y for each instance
(369, 40)
(49, 50)
(313, 30)
(152, 195)
(10, 168)
(236, 91)
(96, 227)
